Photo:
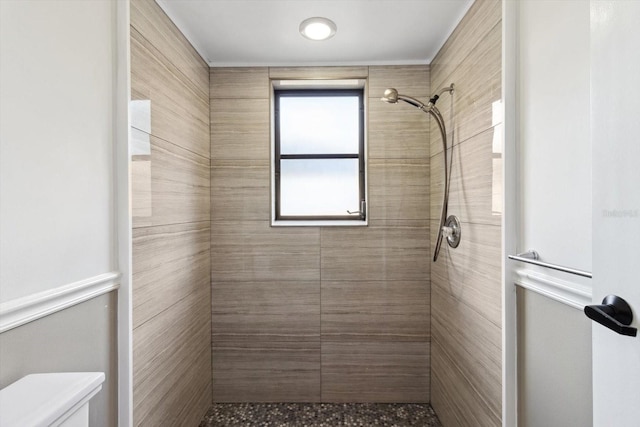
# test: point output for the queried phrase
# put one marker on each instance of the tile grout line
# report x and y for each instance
(320, 317)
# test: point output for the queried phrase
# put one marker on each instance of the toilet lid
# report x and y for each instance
(42, 399)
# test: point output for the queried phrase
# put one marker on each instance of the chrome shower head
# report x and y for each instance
(392, 96)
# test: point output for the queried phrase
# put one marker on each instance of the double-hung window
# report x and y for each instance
(319, 157)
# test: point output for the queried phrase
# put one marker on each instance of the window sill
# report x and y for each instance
(318, 223)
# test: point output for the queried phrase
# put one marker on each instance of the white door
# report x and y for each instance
(615, 133)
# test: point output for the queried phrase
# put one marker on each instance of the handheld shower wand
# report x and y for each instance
(392, 96)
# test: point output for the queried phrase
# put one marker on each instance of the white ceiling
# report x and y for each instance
(265, 32)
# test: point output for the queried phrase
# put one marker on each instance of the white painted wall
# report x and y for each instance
(57, 75)
(555, 148)
(61, 74)
(554, 202)
(554, 378)
(81, 339)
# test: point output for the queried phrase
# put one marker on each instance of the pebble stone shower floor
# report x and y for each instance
(320, 415)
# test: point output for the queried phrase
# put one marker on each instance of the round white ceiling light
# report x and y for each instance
(318, 28)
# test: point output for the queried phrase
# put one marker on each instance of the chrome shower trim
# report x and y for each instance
(452, 230)
(392, 96)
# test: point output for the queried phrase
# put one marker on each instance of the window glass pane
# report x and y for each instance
(319, 187)
(319, 125)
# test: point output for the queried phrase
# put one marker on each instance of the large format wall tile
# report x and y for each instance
(265, 311)
(180, 186)
(196, 393)
(471, 272)
(267, 371)
(240, 190)
(254, 251)
(476, 99)
(179, 112)
(466, 38)
(171, 220)
(235, 83)
(375, 253)
(466, 281)
(475, 351)
(169, 263)
(266, 341)
(375, 372)
(375, 311)
(183, 398)
(240, 129)
(454, 400)
(165, 358)
(156, 27)
(440, 397)
(475, 194)
(411, 80)
(397, 131)
(398, 190)
(141, 200)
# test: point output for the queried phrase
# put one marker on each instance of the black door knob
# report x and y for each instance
(614, 313)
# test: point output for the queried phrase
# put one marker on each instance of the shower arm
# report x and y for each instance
(431, 105)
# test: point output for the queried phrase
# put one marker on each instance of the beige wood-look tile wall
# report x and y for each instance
(319, 313)
(172, 234)
(466, 283)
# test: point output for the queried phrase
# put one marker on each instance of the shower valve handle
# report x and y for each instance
(447, 231)
(451, 231)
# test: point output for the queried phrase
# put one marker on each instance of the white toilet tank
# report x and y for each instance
(58, 399)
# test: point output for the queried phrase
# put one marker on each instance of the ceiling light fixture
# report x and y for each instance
(318, 28)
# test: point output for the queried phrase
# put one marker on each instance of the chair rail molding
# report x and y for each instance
(20, 311)
(566, 292)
